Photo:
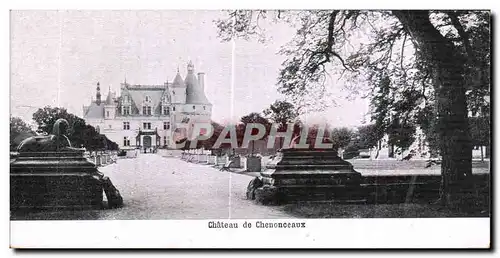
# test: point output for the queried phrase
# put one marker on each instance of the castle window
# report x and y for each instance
(107, 113)
(166, 125)
(173, 108)
(126, 99)
(146, 126)
(109, 126)
(126, 125)
(165, 140)
(204, 108)
(146, 110)
(194, 107)
(126, 141)
(166, 110)
(148, 99)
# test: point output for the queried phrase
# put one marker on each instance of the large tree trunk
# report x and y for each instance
(449, 83)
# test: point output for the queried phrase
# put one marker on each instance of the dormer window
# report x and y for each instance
(126, 110)
(166, 110)
(148, 99)
(126, 99)
(146, 110)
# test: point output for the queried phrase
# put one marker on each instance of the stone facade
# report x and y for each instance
(150, 116)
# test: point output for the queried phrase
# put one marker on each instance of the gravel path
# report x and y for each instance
(155, 187)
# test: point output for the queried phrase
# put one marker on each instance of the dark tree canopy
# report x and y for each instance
(19, 130)
(410, 60)
(368, 136)
(80, 134)
(281, 113)
(342, 136)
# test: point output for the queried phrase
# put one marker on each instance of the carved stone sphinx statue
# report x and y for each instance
(57, 141)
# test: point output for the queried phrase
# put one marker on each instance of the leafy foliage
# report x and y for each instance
(401, 135)
(409, 61)
(19, 130)
(79, 133)
(281, 113)
(480, 131)
(368, 136)
(342, 136)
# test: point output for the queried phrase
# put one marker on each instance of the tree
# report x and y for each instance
(256, 118)
(281, 113)
(414, 49)
(369, 135)
(480, 132)
(19, 130)
(342, 137)
(401, 135)
(80, 134)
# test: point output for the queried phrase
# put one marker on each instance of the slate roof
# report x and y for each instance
(95, 111)
(194, 93)
(138, 96)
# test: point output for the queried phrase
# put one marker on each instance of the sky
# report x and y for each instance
(57, 58)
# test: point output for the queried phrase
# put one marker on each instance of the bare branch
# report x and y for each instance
(402, 55)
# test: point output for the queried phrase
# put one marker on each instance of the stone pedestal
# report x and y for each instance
(236, 162)
(49, 173)
(300, 174)
(253, 164)
(54, 180)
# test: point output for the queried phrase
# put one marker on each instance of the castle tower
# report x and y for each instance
(195, 93)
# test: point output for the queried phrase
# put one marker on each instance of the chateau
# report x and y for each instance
(150, 116)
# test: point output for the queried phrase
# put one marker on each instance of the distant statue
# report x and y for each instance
(56, 141)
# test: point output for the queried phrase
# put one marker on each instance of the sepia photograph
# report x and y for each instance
(268, 121)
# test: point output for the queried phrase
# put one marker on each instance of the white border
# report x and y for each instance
(318, 233)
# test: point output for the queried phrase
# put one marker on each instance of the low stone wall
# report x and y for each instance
(202, 158)
(169, 153)
(102, 159)
(211, 160)
(132, 153)
(220, 160)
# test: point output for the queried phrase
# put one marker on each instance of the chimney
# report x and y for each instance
(201, 80)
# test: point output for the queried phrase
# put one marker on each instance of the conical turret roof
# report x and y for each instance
(194, 92)
(109, 98)
(178, 82)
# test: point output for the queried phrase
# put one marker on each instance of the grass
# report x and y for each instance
(403, 210)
